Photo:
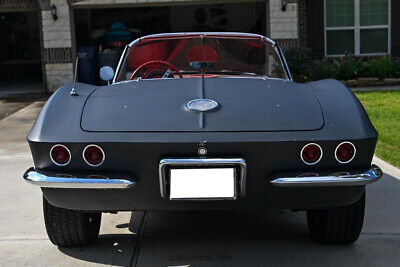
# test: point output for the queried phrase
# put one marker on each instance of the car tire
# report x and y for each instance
(70, 228)
(340, 225)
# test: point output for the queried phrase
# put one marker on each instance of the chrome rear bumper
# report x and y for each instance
(370, 176)
(53, 181)
(43, 179)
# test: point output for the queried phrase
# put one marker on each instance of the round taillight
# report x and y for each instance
(60, 155)
(93, 155)
(345, 152)
(311, 154)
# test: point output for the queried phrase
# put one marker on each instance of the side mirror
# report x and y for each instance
(106, 73)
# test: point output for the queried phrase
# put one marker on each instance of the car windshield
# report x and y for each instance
(188, 56)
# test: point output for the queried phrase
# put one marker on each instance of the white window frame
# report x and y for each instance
(357, 29)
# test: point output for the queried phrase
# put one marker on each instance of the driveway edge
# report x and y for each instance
(18, 112)
(387, 168)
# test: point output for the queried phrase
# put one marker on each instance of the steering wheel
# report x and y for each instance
(156, 65)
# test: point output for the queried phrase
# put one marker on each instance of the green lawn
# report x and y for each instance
(383, 108)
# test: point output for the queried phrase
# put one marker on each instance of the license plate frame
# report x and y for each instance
(238, 163)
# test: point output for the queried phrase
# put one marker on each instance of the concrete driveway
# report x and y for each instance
(10, 103)
(182, 238)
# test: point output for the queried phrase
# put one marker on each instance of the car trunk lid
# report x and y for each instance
(245, 104)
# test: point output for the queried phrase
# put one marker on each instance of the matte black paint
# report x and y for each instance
(267, 153)
(344, 119)
(245, 105)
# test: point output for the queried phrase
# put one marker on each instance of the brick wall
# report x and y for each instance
(57, 45)
(286, 44)
(58, 74)
(283, 27)
(302, 15)
(57, 33)
(284, 24)
(17, 5)
(314, 37)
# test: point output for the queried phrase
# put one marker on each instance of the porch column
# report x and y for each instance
(284, 24)
(56, 44)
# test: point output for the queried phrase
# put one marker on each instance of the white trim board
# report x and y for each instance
(357, 29)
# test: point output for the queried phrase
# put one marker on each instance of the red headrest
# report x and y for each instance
(148, 52)
(202, 53)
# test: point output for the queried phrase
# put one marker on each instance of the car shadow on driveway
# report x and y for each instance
(173, 238)
(108, 249)
(251, 238)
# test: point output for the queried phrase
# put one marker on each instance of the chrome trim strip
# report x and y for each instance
(370, 176)
(87, 162)
(320, 157)
(212, 34)
(355, 152)
(202, 162)
(120, 63)
(283, 61)
(58, 164)
(43, 180)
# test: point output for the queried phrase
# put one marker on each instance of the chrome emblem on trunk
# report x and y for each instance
(202, 105)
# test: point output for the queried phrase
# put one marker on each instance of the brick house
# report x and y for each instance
(328, 27)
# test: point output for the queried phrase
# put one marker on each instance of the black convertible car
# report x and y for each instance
(202, 121)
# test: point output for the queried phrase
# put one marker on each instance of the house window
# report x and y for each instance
(359, 27)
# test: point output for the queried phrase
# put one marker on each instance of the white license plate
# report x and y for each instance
(204, 183)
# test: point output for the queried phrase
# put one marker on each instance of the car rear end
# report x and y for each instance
(274, 144)
(264, 174)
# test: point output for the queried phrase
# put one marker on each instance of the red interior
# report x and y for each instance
(202, 53)
(151, 51)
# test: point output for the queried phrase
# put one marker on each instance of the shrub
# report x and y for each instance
(324, 69)
(365, 68)
(396, 68)
(348, 67)
(382, 67)
(300, 63)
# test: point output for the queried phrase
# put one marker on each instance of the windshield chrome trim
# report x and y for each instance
(121, 59)
(204, 34)
(283, 62)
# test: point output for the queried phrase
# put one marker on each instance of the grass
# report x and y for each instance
(383, 108)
